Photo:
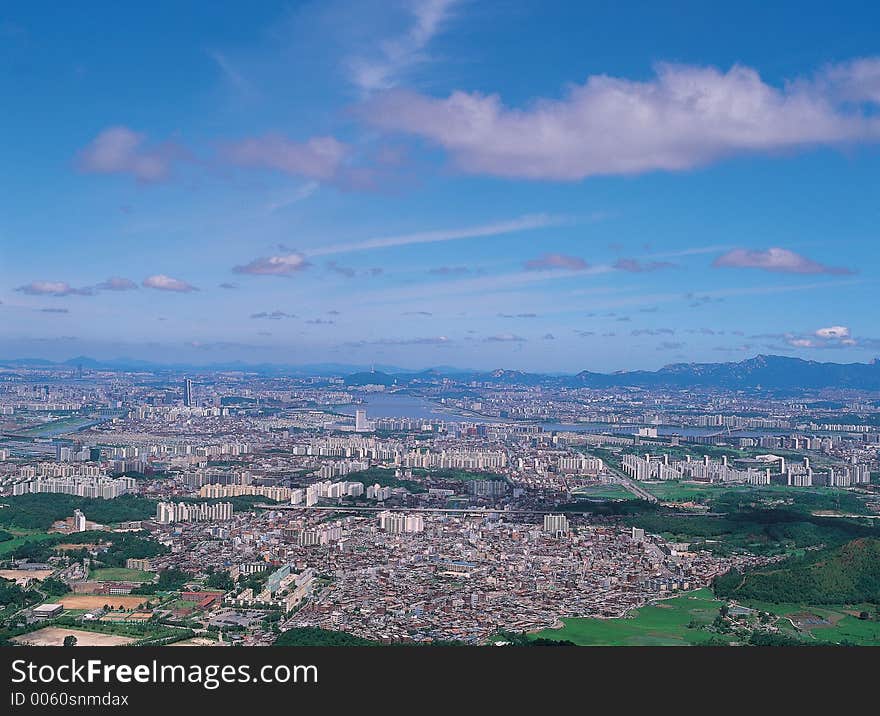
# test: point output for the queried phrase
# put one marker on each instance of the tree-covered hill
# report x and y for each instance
(849, 574)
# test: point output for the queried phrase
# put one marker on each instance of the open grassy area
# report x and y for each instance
(665, 623)
(844, 629)
(680, 491)
(120, 574)
(59, 426)
(826, 624)
(684, 491)
(20, 538)
(602, 492)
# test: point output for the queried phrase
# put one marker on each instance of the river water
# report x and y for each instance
(396, 405)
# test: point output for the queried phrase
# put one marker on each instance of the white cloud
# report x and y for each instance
(833, 332)
(828, 337)
(161, 282)
(120, 150)
(317, 158)
(556, 261)
(274, 265)
(684, 117)
(53, 288)
(775, 259)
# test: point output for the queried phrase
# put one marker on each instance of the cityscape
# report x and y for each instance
(438, 323)
(240, 508)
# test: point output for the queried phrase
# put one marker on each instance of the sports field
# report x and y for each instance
(96, 601)
(16, 574)
(665, 623)
(54, 636)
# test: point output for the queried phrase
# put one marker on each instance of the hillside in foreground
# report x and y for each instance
(845, 575)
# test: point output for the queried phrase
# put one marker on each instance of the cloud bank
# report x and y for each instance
(684, 117)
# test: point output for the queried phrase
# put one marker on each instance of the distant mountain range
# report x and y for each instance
(764, 371)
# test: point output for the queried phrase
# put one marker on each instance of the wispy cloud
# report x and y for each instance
(396, 56)
(53, 288)
(316, 158)
(293, 197)
(505, 338)
(421, 341)
(777, 260)
(273, 315)
(556, 261)
(346, 271)
(231, 72)
(285, 265)
(449, 270)
(523, 223)
(120, 150)
(117, 283)
(637, 266)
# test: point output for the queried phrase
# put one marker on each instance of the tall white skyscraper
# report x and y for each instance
(360, 421)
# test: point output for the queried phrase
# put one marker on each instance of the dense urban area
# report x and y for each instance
(234, 507)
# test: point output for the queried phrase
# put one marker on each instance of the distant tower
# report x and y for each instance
(187, 392)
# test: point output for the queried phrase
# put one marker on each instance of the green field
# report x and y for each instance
(844, 627)
(602, 492)
(683, 491)
(22, 536)
(679, 491)
(60, 426)
(120, 574)
(665, 623)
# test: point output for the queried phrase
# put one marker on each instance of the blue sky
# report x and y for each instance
(545, 186)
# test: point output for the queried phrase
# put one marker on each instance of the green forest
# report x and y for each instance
(39, 511)
(849, 574)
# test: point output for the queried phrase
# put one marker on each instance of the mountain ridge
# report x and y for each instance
(762, 371)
